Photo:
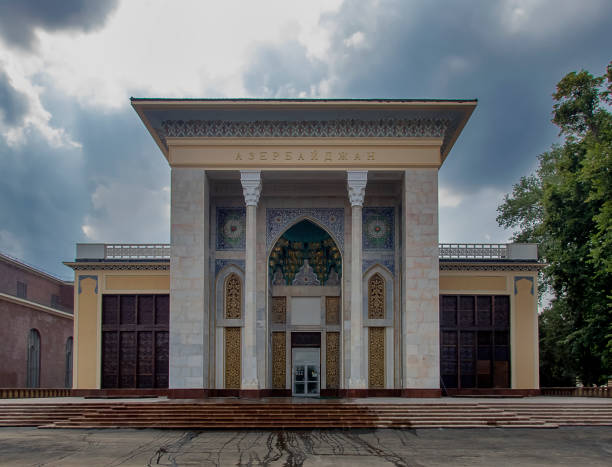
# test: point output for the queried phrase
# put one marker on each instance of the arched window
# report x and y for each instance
(33, 375)
(233, 297)
(376, 297)
(68, 376)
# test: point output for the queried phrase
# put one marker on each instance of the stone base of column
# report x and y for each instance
(357, 383)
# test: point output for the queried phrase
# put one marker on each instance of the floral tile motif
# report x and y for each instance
(378, 228)
(386, 261)
(279, 219)
(231, 228)
(221, 263)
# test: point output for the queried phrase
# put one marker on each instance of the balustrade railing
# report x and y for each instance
(458, 251)
(473, 251)
(136, 251)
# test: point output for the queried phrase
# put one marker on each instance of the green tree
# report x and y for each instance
(566, 207)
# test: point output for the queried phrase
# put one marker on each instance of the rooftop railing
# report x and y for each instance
(123, 251)
(447, 251)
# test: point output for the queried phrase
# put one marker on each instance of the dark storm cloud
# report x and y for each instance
(13, 104)
(441, 49)
(282, 71)
(48, 191)
(19, 18)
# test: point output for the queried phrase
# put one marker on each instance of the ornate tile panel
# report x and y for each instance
(378, 228)
(279, 360)
(232, 358)
(387, 261)
(233, 297)
(279, 219)
(376, 358)
(332, 310)
(221, 263)
(376, 297)
(332, 360)
(279, 310)
(231, 228)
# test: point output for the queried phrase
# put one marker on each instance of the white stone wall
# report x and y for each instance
(419, 232)
(189, 327)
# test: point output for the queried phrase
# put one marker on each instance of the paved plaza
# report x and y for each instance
(434, 447)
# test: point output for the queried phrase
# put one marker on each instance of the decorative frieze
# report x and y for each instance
(279, 310)
(332, 360)
(279, 360)
(376, 297)
(233, 297)
(332, 310)
(340, 128)
(376, 358)
(232, 358)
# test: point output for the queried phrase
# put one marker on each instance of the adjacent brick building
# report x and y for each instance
(36, 312)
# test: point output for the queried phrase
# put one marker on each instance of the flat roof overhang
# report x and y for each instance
(274, 126)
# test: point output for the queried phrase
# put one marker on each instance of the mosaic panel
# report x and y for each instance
(233, 297)
(378, 228)
(332, 310)
(232, 358)
(279, 359)
(231, 228)
(376, 358)
(221, 263)
(388, 261)
(376, 297)
(279, 310)
(278, 220)
(332, 360)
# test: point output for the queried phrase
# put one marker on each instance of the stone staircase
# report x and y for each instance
(272, 415)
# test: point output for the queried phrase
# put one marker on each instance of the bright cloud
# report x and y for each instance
(125, 212)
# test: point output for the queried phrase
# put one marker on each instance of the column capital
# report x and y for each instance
(251, 186)
(356, 181)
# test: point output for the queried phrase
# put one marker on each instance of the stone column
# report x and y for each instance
(251, 188)
(356, 182)
(188, 278)
(420, 276)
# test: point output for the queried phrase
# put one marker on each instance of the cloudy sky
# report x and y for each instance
(77, 165)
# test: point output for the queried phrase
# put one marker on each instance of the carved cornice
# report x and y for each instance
(97, 266)
(342, 128)
(251, 186)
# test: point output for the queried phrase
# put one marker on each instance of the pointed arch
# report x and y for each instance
(313, 220)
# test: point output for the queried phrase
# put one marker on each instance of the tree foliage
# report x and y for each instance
(566, 207)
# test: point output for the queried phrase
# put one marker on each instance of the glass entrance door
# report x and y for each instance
(306, 372)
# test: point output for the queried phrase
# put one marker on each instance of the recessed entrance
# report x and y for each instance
(306, 373)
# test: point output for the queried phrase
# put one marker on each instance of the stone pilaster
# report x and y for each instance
(188, 278)
(420, 276)
(251, 188)
(356, 183)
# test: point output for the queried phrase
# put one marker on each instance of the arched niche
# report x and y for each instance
(230, 276)
(371, 278)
